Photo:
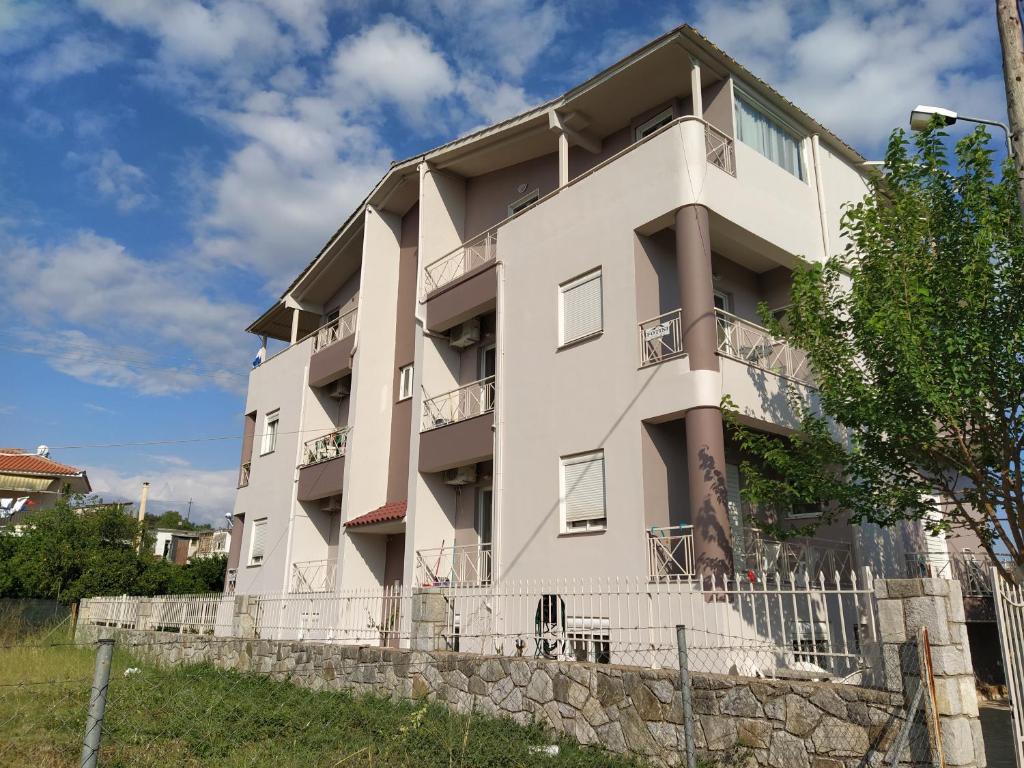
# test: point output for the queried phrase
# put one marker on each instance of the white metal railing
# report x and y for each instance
(754, 345)
(354, 617)
(971, 569)
(763, 554)
(202, 614)
(243, 474)
(340, 328)
(326, 447)
(230, 579)
(313, 576)
(670, 553)
(661, 338)
(460, 404)
(467, 257)
(720, 148)
(468, 564)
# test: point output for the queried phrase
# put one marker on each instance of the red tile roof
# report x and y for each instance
(36, 465)
(394, 510)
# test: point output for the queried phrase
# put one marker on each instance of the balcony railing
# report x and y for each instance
(661, 338)
(460, 404)
(243, 474)
(230, 580)
(971, 569)
(720, 148)
(326, 447)
(754, 345)
(313, 576)
(340, 328)
(466, 565)
(670, 553)
(467, 257)
(804, 555)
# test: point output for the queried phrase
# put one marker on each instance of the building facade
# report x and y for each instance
(509, 362)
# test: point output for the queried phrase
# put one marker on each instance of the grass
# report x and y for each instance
(200, 716)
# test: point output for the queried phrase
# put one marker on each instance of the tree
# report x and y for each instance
(916, 338)
(174, 520)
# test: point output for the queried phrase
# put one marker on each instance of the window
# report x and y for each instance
(405, 379)
(270, 423)
(524, 202)
(583, 499)
(659, 120)
(588, 640)
(759, 131)
(258, 541)
(579, 308)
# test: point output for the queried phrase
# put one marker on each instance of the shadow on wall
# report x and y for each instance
(707, 522)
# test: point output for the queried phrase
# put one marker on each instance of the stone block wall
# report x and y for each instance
(738, 721)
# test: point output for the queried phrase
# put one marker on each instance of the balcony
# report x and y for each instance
(755, 346)
(457, 427)
(333, 343)
(972, 569)
(322, 471)
(670, 554)
(461, 284)
(459, 566)
(661, 338)
(243, 474)
(313, 576)
(720, 149)
(809, 557)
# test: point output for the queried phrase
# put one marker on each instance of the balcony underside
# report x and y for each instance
(472, 294)
(458, 444)
(332, 362)
(318, 481)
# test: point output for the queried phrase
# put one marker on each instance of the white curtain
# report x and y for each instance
(757, 130)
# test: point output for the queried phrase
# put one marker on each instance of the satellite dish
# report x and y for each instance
(44, 451)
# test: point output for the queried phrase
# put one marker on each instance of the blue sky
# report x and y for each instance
(167, 166)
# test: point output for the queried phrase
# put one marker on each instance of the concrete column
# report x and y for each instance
(695, 88)
(429, 620)
(295, 324)
(904, 607)
(563, 159)
(696, 292)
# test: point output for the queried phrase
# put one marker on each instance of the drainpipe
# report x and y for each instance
(819, 184)
(498, 481)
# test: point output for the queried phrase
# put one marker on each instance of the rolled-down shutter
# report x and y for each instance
(259, 530)
(581, 308)
(583, 477)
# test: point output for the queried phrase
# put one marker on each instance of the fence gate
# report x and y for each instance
(1009, 600)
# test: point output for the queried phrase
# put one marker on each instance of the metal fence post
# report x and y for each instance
(687, 697)
(97, 703)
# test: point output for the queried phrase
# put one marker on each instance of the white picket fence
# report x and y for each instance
(768, 625)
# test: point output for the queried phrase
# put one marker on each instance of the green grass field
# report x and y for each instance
(199, 716)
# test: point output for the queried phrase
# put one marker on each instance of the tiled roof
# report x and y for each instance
(36, 465)
(394, 510)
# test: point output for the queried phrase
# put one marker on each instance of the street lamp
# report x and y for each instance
(922, 116)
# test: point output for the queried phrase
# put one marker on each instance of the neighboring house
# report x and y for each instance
(30, 482)
(509, 361)
(211, 543)
(175, 545)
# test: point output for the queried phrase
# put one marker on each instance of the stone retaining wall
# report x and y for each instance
(740, 721)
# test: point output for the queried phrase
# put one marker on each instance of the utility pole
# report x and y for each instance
(188, 512)
(1008, 18)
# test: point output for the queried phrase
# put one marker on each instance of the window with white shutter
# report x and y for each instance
(583, 498)
(258, 541)
(579, 308)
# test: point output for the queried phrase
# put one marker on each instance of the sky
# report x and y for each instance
(168, 166)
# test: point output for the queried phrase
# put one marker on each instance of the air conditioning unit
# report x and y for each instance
(466, 334)
(339, 389)
(460, 475)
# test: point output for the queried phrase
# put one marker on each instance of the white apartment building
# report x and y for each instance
(509, 361)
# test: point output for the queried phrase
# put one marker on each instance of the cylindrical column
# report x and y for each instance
(97, 703)
(705, 437)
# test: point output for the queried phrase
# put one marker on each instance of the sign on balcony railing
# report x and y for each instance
(754, 345)
(243, 474)
(661, 338)
(313, 576)
(466, 565)
(670, 553)
(460, 404)
(327, 447)
(720, 149)
(335, 330)
(467, 257)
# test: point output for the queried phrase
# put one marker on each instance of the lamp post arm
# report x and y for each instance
(983, 121)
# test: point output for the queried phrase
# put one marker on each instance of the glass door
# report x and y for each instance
(484, 532)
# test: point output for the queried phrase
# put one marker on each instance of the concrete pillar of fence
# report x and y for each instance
(143, 618)
(904, 607)
(243, 617)
(430, 619)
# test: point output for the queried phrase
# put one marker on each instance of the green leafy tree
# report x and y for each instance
(173, 519)
(916, 337)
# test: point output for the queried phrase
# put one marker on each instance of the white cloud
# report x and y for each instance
(40, 123)
(860, 69)
(170, 487)
(114, 179)
(107, 317)
(391, 61)
(74, 54)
